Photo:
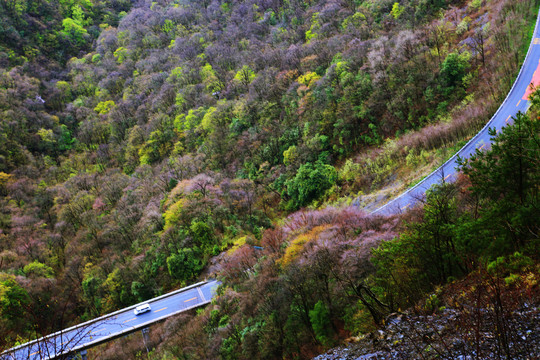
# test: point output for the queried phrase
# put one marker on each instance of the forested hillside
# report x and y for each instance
(146, 144)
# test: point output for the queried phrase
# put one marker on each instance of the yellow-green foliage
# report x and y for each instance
(531, 279)
(46, 135)
(74, 29)
(245, 75)
(508, 265)
(290, 155)
(4, 178)
(168, 26)
(378, 168)
(179, 101)
(121, 54)
(358, 319)
(511, 279)
(353, 21)
(415, 158)
(308, 78)
(475, 4)
(37, 269)
(101, 93)
(297, 245)
(90, 270)
(173, 213)
(237, 244)
(225, 7)
(349, 171)
(104, 107)
(463, 26)
(207, 119)
(342, 68)
(157, 147)
(113, 287)
(179, 147)
(175, 194)
(397, 10)
(123, 37)
(176, 74)
(190, 121)
(210, 79)
(315, 25)
(64, 87)
(78, 15)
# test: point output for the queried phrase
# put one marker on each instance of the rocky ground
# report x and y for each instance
(464, 332)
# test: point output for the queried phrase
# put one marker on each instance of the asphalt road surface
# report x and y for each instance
(115, 324)
(125, 321)
(517, 100)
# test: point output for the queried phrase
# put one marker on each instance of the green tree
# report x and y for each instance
(454, 68)
(185, 264)
(104, 107)
(37, 269)
(121, 54)
(245, 76)
(13, 299)
(4, 179)
(202, 233)
(91, 287)
(310, 182)
(320, 321)
(210, 79)
(74, 30)
(397, 10)
(160, 143)
(65, 140)
(506, 181)
(425, 254)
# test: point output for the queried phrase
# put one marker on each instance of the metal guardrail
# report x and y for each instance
(478, 134)
(138, 326)
(8, 354)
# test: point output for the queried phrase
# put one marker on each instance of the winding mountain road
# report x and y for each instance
(516, 101)
(124, 321)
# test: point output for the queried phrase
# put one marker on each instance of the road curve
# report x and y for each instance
(516, 101)
(124, 321)
(112, 325)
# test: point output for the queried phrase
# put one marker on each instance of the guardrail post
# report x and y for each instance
(146, 337)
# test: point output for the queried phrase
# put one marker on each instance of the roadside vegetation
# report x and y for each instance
(144, 146)
(325, 275)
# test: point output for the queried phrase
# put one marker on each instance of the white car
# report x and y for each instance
(142, 309)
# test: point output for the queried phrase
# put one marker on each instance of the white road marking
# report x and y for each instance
(201, 294)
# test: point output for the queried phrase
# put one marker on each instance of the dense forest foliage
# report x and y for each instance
(146, 144)
(326, 274)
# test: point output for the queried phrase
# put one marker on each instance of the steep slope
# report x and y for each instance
(193, 127)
